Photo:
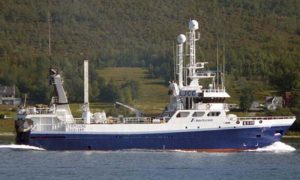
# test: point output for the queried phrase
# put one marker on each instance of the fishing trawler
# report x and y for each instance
(196, 118)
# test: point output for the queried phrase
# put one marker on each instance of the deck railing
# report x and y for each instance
(37, 110)
(214, 90)
(49, 127)
(265, 118)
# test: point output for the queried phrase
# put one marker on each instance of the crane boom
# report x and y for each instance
(135, 111)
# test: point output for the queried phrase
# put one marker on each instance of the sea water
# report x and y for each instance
(278, 161)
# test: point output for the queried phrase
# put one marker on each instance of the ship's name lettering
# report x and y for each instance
(77, 127)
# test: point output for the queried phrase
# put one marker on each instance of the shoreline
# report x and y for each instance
(7, 134)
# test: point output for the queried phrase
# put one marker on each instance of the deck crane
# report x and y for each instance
(135, 111)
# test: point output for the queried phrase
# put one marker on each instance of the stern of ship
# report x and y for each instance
(23, 129)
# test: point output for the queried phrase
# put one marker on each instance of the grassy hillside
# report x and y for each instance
(261, 89)
(261, 38)
(153, 96)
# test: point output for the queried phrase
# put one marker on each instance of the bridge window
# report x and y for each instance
(213, 113)
(198, 114)
(182, 114)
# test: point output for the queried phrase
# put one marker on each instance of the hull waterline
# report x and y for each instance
(226, 140)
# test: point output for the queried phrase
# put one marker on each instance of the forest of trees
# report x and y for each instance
(261, 39)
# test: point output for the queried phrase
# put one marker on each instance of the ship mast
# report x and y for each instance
(193, 26)
(86, 114)
(180, 39)
(191, 89)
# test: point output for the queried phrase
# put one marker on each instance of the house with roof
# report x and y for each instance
(274, 102)
(8, 95)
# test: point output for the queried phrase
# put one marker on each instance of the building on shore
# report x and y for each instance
(8, 95)
(274, 102)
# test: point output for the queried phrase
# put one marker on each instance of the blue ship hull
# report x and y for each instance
(211, 140)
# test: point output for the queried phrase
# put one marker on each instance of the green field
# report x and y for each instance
(153, 97)
(7, 125)
(260, 89)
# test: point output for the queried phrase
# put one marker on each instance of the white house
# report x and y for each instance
(8, 95)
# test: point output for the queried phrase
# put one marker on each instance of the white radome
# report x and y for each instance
(181, 38)
(193, 25)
